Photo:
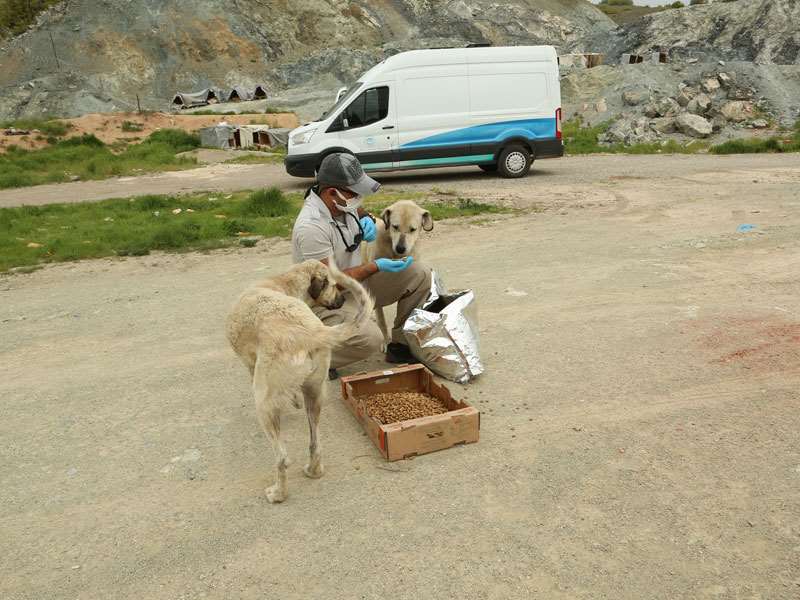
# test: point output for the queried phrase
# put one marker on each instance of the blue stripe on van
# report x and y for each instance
(491, 132)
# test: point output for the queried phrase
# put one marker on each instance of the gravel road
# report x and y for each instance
(639, 411)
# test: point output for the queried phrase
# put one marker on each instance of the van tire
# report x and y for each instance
(492, 168)
(514, 161)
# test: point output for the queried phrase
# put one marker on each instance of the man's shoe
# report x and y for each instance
(399, 354)
(333, 374)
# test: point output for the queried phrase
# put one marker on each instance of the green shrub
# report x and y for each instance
(267, 203)
(176, 139)
(677, 5)
(232, 227)
(49, 127)
(17, 15)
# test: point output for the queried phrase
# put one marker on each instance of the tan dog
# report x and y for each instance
(288, 350)
(398, 234)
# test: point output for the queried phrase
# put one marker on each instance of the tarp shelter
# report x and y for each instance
(201, 98)
(260, 93)
(240, 94)
(219, 136)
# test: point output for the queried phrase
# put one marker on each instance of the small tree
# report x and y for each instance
(677, 5)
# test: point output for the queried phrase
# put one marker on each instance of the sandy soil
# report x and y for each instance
(108, 126)
(639, 430)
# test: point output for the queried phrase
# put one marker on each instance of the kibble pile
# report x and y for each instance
(391, 407)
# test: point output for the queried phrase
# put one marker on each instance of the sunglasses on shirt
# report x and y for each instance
(359, 237)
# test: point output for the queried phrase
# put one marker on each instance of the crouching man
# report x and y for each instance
(332, 222)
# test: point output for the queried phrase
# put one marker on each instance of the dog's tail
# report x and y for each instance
(339, 333)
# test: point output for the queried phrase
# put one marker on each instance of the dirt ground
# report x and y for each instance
(108, 126)
(639, 412)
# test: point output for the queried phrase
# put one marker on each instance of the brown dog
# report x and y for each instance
(288, 350)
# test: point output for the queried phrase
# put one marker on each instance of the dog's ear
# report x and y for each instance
(427, 221)
(386, 215)
(317, 285)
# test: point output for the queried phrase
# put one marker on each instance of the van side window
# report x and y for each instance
(370, 107)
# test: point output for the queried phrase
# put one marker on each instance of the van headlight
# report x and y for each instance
(303, 138)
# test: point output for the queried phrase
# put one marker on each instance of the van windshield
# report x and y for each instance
(343, 100)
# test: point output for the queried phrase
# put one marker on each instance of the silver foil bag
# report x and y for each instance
(443, 333)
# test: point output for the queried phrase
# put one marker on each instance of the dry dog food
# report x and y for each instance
(391, 407)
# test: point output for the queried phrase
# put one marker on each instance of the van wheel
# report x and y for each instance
(492, 168)
(514, 161)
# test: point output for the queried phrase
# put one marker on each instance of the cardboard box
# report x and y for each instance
(461, 425)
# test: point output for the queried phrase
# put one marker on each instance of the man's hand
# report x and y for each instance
(368, 226)
(387, 265)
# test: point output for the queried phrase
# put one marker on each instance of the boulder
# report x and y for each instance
(663, 125)
(725, 80)
(685, 96)
(710, 85)
(737, 110)
(632, 98)
(759, 123)
(694, 125)
(699, 105)
(662, 107)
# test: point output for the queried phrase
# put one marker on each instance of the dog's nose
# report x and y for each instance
(401, 249)
(338, 301)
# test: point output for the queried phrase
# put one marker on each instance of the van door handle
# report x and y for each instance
(389, 127)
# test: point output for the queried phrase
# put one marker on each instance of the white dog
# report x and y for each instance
(398, 233)
(288, 350)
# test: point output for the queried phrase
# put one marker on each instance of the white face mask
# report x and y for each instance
(351, 206)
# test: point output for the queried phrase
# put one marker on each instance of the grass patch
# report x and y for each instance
(584, 140)
(86, 157)
(131, 127)
(258, 159)
(34, 235)
(49, 127)
(778, 144)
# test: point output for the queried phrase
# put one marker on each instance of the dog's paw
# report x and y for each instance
(314, 471)
(275, 494)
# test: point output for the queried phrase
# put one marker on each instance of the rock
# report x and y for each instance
(601, 106)
(685, 96)
(632, 98)
(34, 245)
(663, 125)
(629, 132)
(694, 125)
(737, 111)
(740, 93)
(661, 108)
(719, 123)
(699, 105)
(725, 80)
(760, 123)
(721, 63)
(711, 85)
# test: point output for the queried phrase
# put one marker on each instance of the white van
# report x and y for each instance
(497, 108)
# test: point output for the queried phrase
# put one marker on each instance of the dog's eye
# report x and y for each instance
(396, 227)
(413, 229)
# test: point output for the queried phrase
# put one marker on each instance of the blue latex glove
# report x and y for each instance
(369, 229)
(387, 265)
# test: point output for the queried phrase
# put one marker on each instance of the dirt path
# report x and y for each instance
(639, 430)
(550, 178)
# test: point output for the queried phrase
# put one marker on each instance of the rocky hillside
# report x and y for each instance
(763, 31)
(108, 51)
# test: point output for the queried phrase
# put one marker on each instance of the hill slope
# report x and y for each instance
(108, 51)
